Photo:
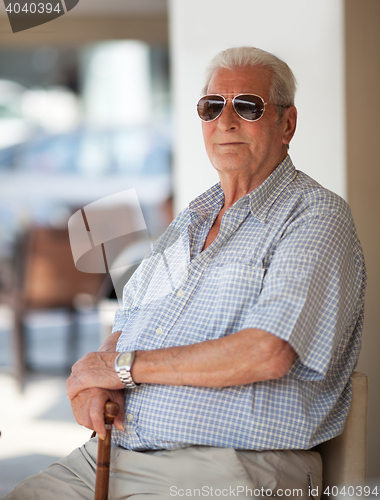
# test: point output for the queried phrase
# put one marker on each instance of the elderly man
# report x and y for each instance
(240, 331)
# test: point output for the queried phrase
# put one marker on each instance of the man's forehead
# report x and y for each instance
(241, 79)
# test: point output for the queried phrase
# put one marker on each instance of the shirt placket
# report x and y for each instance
(192, 276)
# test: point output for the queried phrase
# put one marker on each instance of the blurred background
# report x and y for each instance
(102, 100)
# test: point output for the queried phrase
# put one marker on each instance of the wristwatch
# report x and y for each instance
(123, 366)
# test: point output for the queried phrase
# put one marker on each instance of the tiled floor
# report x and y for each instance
(37, 426)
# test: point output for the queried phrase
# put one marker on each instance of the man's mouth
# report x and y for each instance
(235, 143)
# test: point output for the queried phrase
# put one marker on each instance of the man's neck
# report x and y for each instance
(236, 184)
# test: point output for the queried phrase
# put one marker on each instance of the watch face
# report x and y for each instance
(125, 359)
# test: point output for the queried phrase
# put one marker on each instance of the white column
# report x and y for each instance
(307, 35)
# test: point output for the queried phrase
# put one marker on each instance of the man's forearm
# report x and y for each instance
(244, 357)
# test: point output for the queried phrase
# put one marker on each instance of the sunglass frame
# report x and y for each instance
(227, 97)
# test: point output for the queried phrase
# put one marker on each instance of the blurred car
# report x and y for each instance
(44, 179)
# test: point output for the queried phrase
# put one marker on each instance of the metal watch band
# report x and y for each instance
(126, 377)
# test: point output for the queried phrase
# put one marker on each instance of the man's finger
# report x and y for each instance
(119, 420)
(96, 412)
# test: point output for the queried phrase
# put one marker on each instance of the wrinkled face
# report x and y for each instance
(236, 146)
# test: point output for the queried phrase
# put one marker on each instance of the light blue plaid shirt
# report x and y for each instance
(286, 260)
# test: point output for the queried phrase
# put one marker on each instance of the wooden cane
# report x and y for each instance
(111, 410)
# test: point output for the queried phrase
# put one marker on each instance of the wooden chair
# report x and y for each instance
(45, 277)
(345, 456)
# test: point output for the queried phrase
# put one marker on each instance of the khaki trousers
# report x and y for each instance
(197, 472)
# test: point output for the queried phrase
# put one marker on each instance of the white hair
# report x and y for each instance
(283, 87)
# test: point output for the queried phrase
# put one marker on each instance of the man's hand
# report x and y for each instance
(88, 409)
(95, 369)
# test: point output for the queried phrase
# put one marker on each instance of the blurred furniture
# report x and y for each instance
(45, 277)
(345, 456)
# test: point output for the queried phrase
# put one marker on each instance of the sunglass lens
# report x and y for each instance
(249, 107)
(210, 107)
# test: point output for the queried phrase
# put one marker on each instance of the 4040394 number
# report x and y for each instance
(351, 491)
(33, 8)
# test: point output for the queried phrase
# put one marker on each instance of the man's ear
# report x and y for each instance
(289, 123)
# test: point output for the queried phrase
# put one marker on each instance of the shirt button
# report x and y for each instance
(129, 417)
(159, 331)
(180, 293)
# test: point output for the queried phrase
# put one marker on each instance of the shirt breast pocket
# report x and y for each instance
(238, 286)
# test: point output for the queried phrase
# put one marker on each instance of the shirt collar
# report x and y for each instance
(206, 203)
(260, 199)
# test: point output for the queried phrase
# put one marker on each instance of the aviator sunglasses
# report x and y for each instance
(250, 107)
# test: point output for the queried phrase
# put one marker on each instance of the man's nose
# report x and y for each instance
(229, 119)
